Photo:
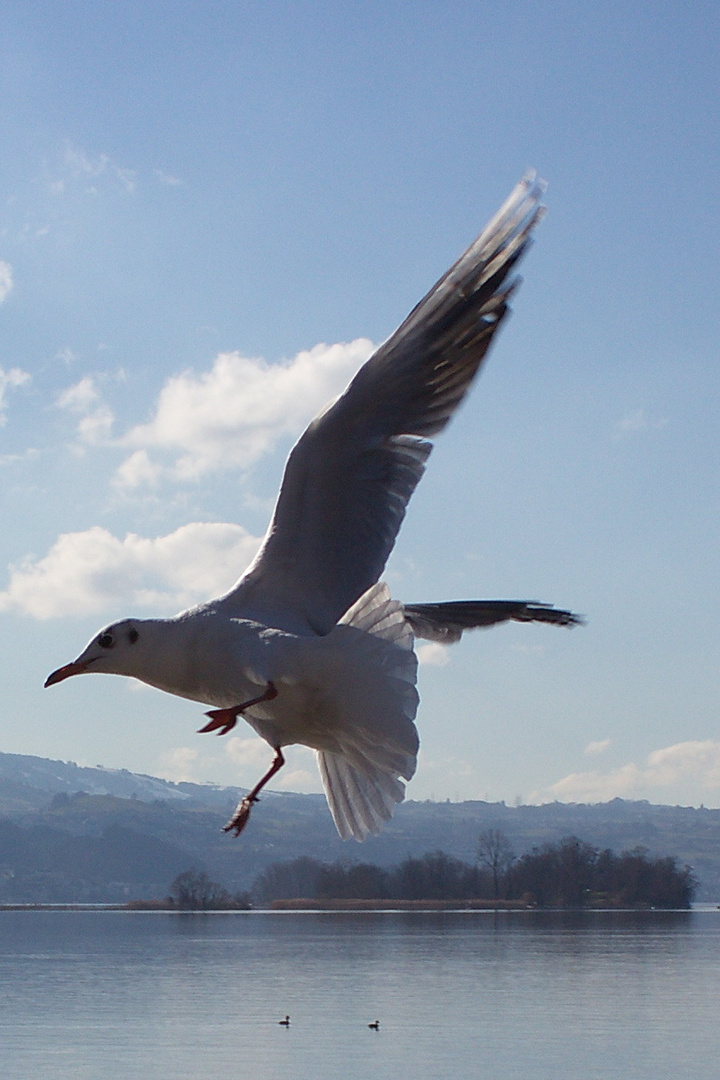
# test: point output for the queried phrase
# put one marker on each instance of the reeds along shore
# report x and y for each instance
(398, 905)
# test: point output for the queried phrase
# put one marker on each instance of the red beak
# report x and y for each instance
(65, 673)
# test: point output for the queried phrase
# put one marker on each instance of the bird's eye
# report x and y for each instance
(106, 641)
(133, 636)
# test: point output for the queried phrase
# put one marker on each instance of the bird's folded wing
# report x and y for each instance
(349, 478)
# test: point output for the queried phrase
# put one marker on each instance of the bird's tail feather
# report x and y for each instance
(361, 797)
(362, 780)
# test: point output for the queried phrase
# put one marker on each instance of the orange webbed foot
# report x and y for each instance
(224, 720)
(221, 720)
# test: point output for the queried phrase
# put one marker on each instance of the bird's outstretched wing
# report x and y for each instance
(348, 480)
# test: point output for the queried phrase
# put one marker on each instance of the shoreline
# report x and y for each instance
(291, 905)
(399, 905)
(330, 906)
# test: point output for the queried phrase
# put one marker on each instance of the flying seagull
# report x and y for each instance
(308, 647)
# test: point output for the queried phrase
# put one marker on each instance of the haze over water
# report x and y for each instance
(118, 995)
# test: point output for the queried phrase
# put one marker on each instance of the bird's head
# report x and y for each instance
(116, 650)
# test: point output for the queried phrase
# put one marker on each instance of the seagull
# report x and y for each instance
(308, 646)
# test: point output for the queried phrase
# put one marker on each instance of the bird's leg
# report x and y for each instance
(239, 819)
(226, 719)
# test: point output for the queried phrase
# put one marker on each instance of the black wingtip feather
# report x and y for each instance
(448, 621)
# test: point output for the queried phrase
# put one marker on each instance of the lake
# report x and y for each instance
(108, 995)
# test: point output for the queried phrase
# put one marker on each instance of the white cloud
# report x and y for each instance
(302, 780)
(529, 650)
(433, 653)
(80, 397)
(253, 756)
(632, 421)
(685, 772)
(92, 571)
(95, 418)
(80, 165)
(446, 775)
(239, 761)
(8, 381)
(95, 428)
(67, 356)
(224, 418)
(178, 764)
(6, 280)
(229, 416)
(13, 459)
(137, 471)
(597, 747)
(636, 421)
(167, 178)
(253, 752)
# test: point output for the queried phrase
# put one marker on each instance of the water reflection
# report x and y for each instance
(527, 994)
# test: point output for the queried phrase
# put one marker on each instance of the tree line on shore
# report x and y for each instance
(568, 874)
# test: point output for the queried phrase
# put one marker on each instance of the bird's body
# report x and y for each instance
(308, 646)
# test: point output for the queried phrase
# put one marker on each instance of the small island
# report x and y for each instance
(568, 875)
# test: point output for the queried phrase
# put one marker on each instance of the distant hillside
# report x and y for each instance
(26, 782)
(93, 834)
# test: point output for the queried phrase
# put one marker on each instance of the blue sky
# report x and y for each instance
(209, 211)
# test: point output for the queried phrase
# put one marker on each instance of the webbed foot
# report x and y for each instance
(240, 818)
(224, 720)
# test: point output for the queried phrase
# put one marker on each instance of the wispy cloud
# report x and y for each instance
(67, 356)
(433, 653)
(167, 178)
(252, 756)
(178, 764)
(94, 571)
(95, 418)
(228, 417)
(670, 774)
(8, 381)
(80, 164)
(302, 780)
(636, 421)
(252, 751)
(14, 459)
(597, 747)
(241, 760)
(6, 280)
(92, 172)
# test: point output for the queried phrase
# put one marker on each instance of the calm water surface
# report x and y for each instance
(146, 996)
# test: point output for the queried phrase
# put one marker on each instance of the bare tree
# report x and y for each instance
(194, 891)
(495, 853)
